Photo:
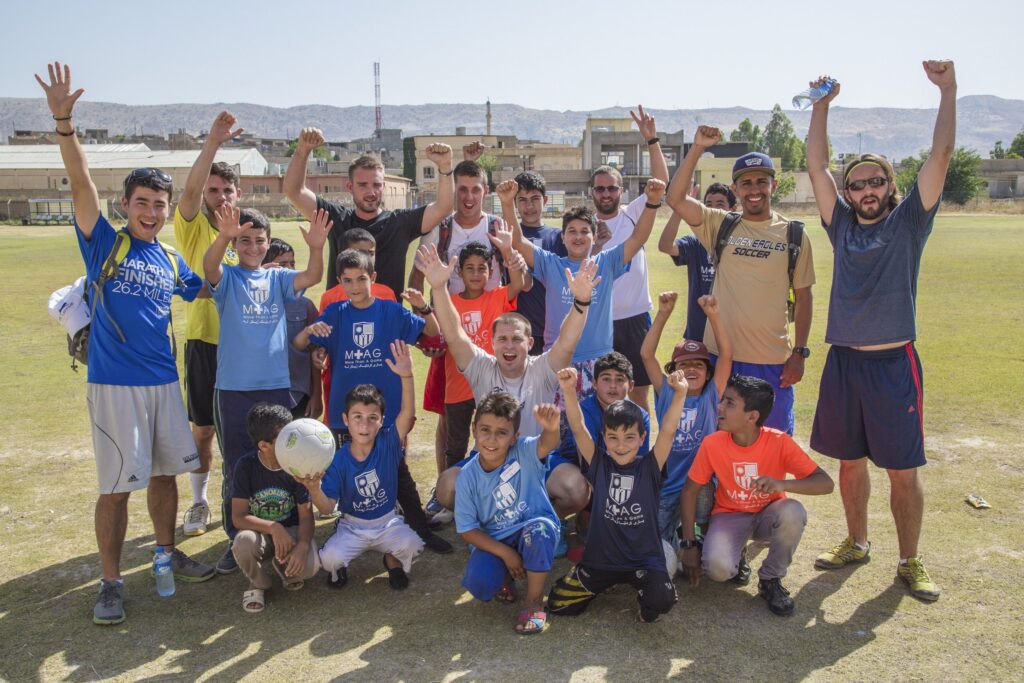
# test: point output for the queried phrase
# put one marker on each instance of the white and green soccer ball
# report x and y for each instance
(305, 447)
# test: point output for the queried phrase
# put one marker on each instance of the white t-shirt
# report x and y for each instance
(460, 237)
(537, 385)
(630, 295)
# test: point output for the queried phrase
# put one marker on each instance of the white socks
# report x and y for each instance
(199, 481)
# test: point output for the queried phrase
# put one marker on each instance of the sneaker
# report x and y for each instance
(437, 514)
(742, 577)
(195, 520)
(563, 546)
(337, 578)
(188, 570)
(776, 596)
(109, 607)
(227, 563)
(436, 544)
(843, 554)
(917, 579)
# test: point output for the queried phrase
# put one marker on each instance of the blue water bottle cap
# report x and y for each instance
(159, 549)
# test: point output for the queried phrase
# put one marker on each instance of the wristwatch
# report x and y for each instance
(802, 351)
(686, 545)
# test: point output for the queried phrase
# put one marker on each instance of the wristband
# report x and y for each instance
(67, 135)
(448, 173)
(62, 118)
(581, 303)
(654, 140)
(425, 311)
(653, 206)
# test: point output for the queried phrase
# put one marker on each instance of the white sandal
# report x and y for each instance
(253, 600)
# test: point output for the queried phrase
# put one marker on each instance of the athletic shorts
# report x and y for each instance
(870, 404)
(433, 389)
(629, 337)
(200, 377)
(138, 433)
(781, 417)
(535, 543)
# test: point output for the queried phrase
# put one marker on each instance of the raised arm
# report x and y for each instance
(315, 238)
(502, 242)
(419, 307)
(663, 446)
(649, 129)
(667, 241)
(227, 219)
(678, 194)
(402, 366)
(723, 368)
(825, 193)
(507, 194)
(567, 378)
(932, 177)
(582, 288)
(440, 208)
(549, 419)
(191, 199)
(61, 101)
(301, 197)
(655, 190)
(437, 274)
(649, 349)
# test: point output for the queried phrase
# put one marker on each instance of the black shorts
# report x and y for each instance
(629, 337)
(870, 404)
(200, 378)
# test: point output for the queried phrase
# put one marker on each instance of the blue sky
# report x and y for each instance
(556, 54)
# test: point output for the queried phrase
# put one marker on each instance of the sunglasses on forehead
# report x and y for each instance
(858, 185)
(143, 173)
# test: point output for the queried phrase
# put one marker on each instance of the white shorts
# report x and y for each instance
(139, 432)
(353, 536)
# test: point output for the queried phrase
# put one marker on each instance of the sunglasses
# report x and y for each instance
(144, 173)
(858, 185)
(602, 189)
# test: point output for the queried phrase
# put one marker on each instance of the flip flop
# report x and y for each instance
(254, 600)
(531, 623)
(507, 594)
(290, 583)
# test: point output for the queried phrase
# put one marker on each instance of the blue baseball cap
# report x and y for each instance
(753, 161)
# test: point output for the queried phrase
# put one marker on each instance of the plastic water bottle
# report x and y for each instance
(808, 97)
(164, 573)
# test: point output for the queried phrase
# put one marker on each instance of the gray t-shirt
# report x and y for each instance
(536, 386)
(874, 285)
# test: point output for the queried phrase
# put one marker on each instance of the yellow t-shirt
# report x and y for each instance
(752, 285)
(193, 238)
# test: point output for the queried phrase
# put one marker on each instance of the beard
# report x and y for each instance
(367, 206)
(872, 213)
(606, 205)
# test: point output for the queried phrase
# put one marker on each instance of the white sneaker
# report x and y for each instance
(195, 520)
(442, 517)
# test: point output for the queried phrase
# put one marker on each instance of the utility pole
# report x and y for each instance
(377, 114)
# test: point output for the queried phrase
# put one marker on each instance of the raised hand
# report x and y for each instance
(312, 482)
(820, 81)
(940, 72)
(319, 229)
(677, 380)
(227, 221)
(515, 262)
(645, 123)
(507, 191)
(415, 298)
(436, 271)
(567, 378)
(667, 302)
(501, 239)
(707, 136)
(601, 236)
(709, 304)
(440, 154)
(548, 416)
(582, 284)
(220, 131)
(310, 139)
(655, 190)
(402, 365)
(473, 151)
(59, 96)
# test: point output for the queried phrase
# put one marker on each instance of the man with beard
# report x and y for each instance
(209, 187)
(869, 404)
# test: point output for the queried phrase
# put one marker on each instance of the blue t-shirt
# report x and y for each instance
(623, 531)
(359, 341)
(549, 270)
(593, 418)
(502, 501)
(367, 489)
(699, 418)
(252, 350)
(700, 274)
(531, 303)
(273, 495)
(139, 301)
(874, 285)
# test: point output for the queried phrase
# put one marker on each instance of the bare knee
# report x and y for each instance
(445, 489)
(904, 479)
(568, 489)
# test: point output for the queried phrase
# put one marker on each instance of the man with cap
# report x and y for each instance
(752, 278)
(869, 404)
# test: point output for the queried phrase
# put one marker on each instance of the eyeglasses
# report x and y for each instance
(858, 185)
(603, 189)
(143, 173)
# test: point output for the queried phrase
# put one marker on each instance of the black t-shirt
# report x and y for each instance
(393, 230)
(624, 523)
(273, 495)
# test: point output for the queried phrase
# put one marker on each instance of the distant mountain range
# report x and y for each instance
(897, 133)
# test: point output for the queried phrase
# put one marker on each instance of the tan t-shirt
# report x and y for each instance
(193, 238)
(752, 285)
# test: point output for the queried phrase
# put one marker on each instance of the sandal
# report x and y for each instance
(290, 583)
(254, 600)
(530, 623)
(507, 594)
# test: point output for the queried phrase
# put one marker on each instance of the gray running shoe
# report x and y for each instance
(109, 607)
(227, 563)
(188, 570)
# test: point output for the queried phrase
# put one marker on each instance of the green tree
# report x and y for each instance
(997, 152)
(794, 155)
(786, 186)
(1016, 150)
(963, 177)
(777, 133)
(490, 164)
(906, 176)
(320, 152)
(747, 132)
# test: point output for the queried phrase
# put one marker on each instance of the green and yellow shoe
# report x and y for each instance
(843, 554)
(917, 579)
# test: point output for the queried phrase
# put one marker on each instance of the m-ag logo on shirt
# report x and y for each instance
(471, 322)
(620, 488)
(504, 495)
(362, 334)
(745, 473)
(258, 292)
(368, 483)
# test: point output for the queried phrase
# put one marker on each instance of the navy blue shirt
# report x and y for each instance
(531, 304)
(700, 273)
(273, 495)
(623, 530)
(593, 419)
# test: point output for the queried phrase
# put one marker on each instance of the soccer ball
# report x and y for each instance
(305, 447)
(671, 559)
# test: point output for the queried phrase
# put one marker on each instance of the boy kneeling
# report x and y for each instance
(623, 542)
(751, 462)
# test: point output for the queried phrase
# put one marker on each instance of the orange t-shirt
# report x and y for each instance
(774, 455)
(477, 316)
(337, 293)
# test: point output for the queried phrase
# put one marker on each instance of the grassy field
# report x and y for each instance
(850, 624)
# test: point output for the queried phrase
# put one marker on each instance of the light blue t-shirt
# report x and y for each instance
(501, 502)
(699, 418)
(252, 352)
(139, 301)
(549, 269)
(367, 489)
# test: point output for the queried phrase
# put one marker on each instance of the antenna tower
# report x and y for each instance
(378, 116)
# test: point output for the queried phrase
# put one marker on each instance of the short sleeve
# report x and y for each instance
(412, 325)
(545, 265)
(391, 444)
(707, 230)
(701, 469)
(332, 316)
(330, 484)
(300, 493)
(95, 249)
(796, 460)
(636, 207)
(188, 283)
(228, 275)
(467, 516)
(241, 484)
